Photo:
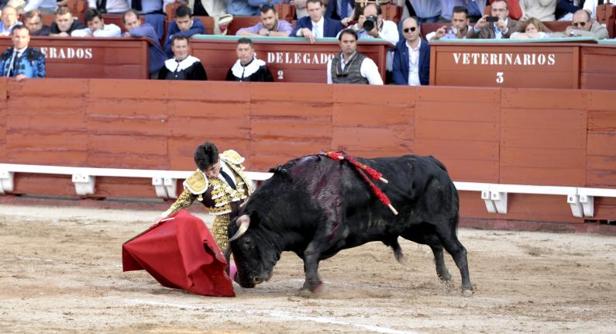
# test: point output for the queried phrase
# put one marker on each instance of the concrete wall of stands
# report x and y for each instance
(497, 135)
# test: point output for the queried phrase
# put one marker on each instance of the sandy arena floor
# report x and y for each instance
(61, 272)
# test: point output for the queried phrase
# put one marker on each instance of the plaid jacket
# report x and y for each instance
(31, 63)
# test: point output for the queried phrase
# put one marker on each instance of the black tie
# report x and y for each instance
(228, 178)
(13, 65)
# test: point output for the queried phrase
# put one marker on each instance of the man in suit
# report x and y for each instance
(412, 57)
(315, 25)
(502, 28)
(21, 61)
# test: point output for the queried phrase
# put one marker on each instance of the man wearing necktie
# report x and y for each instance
(315, 25)
(220, 184)
(21, 61)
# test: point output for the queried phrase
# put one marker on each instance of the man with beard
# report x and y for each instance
(350, 66)
(270, 25)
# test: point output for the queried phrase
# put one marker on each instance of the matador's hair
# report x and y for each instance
(206, 155)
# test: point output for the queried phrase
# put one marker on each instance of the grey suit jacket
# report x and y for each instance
(488, 32)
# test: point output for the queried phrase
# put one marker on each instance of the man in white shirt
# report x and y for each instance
(412, 57)
(97, 27)
(315, 25)
(371, 25)
(350, 66)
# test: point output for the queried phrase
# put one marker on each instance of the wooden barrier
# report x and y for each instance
(289, 59)
(551, 137)
(91, 57)
(597, 70)
(522, 64)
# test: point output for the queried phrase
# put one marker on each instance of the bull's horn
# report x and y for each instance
(244, 221)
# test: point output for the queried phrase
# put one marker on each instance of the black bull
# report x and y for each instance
(315, 207)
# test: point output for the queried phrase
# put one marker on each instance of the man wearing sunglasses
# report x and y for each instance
(583, 25)
(412, 57)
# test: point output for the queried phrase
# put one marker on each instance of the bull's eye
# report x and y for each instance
(247, 243)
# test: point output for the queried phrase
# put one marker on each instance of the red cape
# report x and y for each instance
(180, 253)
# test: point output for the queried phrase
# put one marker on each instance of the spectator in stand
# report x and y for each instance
(152, 12)
(543, 10)
(350, 66)
(213, 8)
(136, 28)
(459, 28)
(109, 6)
(500, 29)
(531, 29)
(96, 26)
(270, 25)
(381, 28)
(372, 17)
(583, 25)
(32, 21)
(64, 23)
(248, 67)
(183, 25)
(8, 21)
(315, 25)
(515, 10)
(412, 56)
(21, 61)
(182, 66)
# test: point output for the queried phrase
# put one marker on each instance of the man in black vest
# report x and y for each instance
(350, 66)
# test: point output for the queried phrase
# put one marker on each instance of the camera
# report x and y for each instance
(370, 23)
(492, 19)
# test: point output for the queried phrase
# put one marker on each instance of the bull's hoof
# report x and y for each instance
(311, 290)
(467, 292)
(445, 278)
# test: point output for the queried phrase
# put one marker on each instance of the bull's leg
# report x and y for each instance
(424, 234)
(439, 261)
(312, 256)
(458, 252)
(395, 246)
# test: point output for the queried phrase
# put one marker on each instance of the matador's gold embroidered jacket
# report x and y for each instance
(215, 194)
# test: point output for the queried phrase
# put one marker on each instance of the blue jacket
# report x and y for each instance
(31, 63)
(156, 55)
(197, 28)
(400, 75)
(332, 6)
(330, 27)
(564, 7)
